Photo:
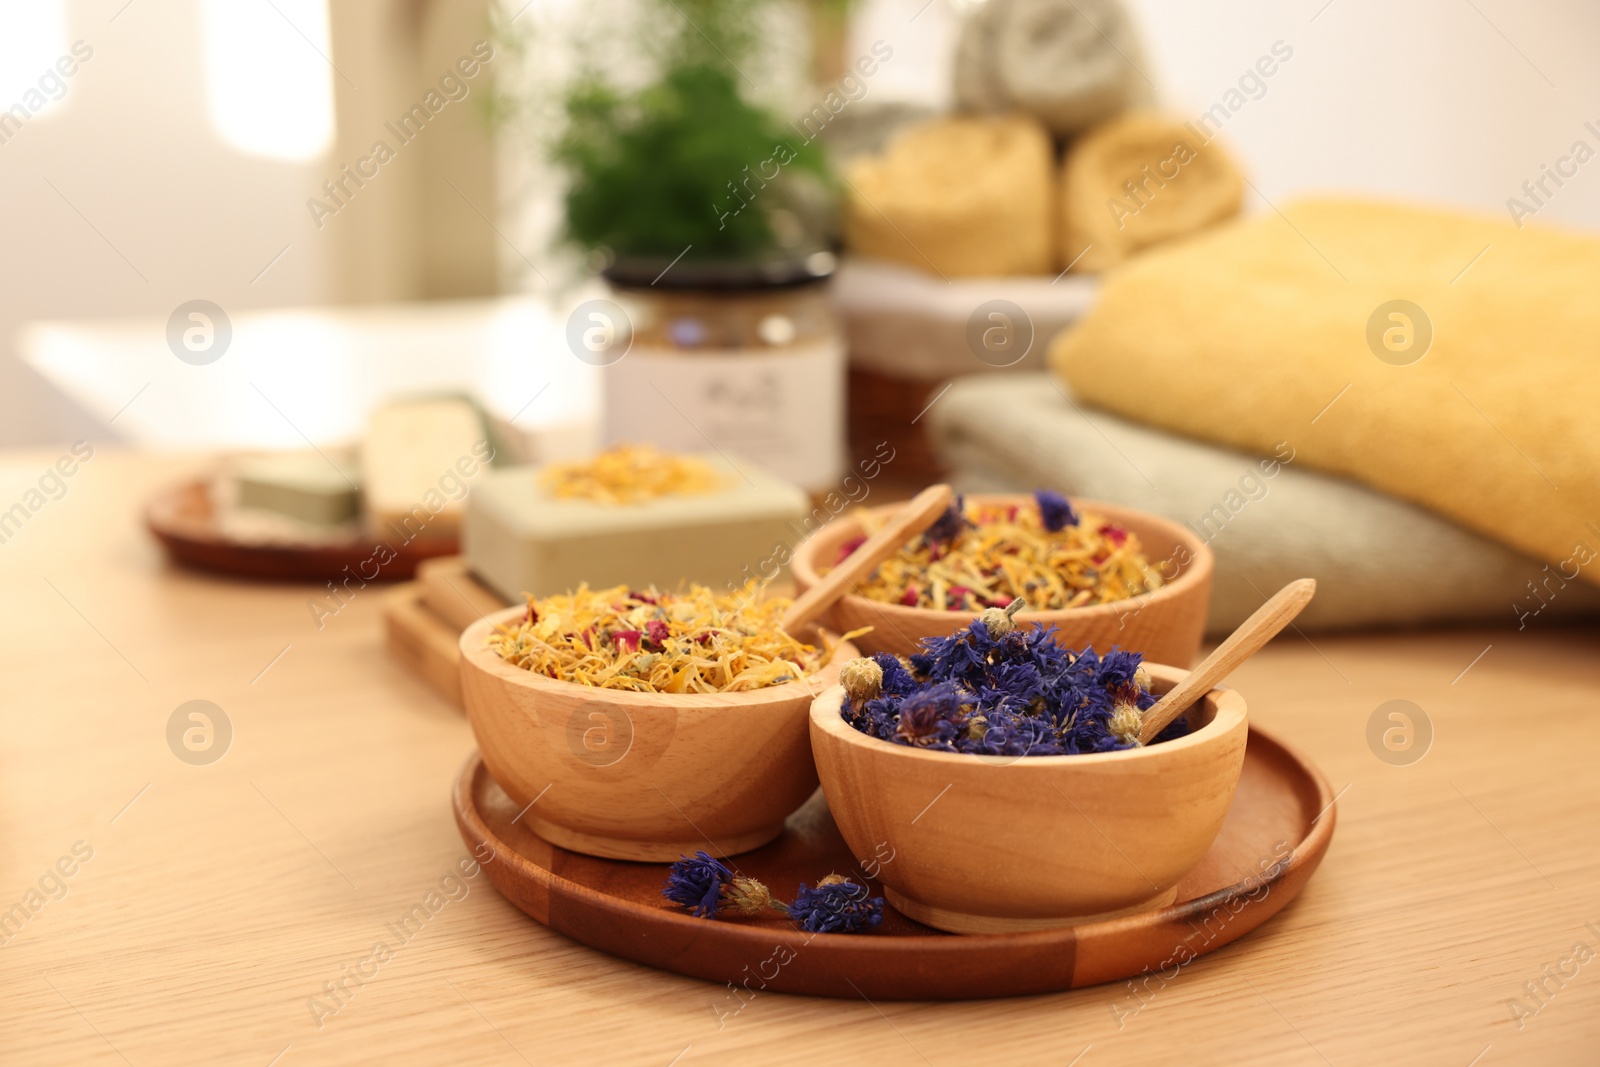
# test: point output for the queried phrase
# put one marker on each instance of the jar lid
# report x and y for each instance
(724, 275)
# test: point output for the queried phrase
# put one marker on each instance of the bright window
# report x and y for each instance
(33, 36)
(269, 80)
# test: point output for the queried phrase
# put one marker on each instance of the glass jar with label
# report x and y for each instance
(744, 359)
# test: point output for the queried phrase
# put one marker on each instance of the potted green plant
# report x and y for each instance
(712, 219)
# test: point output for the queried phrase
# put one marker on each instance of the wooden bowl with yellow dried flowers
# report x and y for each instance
(1103, 575)
(644, 726)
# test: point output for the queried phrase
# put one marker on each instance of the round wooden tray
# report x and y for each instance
(184, 519)
(1275, 835)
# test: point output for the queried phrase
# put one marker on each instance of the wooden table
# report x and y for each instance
(220, 899)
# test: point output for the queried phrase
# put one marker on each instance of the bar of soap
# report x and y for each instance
(419, 458)
(520, 539)
(302, 485)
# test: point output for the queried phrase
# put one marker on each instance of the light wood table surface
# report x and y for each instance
(219, 899)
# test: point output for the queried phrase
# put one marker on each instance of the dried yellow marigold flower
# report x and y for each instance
(694, 641)
(985, 555)
(630, 474)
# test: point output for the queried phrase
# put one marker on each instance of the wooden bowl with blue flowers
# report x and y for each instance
(1165, 624)
(982, 843)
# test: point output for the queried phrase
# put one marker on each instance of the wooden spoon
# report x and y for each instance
(924, 509)
(1239, 646)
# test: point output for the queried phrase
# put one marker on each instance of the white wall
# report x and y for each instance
(1423, 99)
(132, 148)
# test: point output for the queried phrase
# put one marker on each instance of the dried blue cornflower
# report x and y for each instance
(696, 882)
(835, 906)
(1117, 668)
(947, 525)
(962, 655)
(703, 883)
(896, 681)
(930, 717)
(1015, 735)
(1018, 687)
(990, 690)
(1054, 510)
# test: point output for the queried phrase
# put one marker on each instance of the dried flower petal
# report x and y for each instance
(950, 523)
(1046, 554)
(1054, 509)
(849, 547)
(927, 716)
(897, 680)
(630, 474)
(702, 642)
(1013, 694)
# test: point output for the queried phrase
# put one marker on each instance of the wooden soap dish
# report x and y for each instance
(1275, 835)
(185, 519)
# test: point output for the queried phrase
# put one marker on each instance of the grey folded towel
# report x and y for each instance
(1378, 561)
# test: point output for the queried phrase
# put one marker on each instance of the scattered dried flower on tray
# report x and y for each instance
(703, 884)
(986, 555)
(997, 689)
(650, 642)
(630, 474)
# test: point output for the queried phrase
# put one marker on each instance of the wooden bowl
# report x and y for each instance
(641, 776)
(1166, 625)
(991, 844)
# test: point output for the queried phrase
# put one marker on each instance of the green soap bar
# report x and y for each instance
(301, 485)
(520, 539)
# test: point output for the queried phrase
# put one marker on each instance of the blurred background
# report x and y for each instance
(1124, 249)
(176, 164)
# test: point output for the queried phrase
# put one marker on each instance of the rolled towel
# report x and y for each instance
(959, 197)
(1138, 180)
(1269, 519)
(1070, 63)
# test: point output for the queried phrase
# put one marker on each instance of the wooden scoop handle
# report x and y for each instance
(1239, 646)
(921, 513)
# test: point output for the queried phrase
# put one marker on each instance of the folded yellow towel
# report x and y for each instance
(1478, 399)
